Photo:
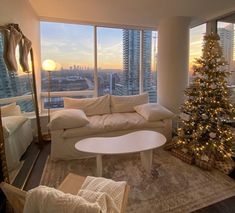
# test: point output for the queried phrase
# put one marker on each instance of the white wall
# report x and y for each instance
(173, 57)
(21, 12)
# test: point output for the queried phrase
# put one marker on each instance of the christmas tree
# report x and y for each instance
(202, 133)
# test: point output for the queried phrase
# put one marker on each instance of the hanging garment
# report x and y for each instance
(11, 39)
(25, 46)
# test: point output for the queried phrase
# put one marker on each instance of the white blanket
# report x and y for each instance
(43, 199)
(107, 193)
(96, 195)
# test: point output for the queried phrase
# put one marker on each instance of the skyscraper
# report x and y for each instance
(227, 41)
(131, 63)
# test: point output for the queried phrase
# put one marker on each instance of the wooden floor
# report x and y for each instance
(226, 206)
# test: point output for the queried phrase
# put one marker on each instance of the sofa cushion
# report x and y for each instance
(91, 106)
(67, 119)
(112, 122)
(11, 124)
(10, 110)
(127, 103)
(154, 112)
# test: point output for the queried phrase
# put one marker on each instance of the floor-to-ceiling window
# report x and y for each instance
(119, 61)
(196, 42)
(118, 55)
(110, 61)
(71, 47)
(226, 32)
(150, 64)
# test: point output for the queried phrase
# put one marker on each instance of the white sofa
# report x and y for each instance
(106, 116)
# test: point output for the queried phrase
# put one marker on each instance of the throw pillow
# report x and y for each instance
(11, 110)
(127, 103)
(91, 106)
(153, 112)
(68, 119)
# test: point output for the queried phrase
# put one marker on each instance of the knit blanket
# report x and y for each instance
(107, 193)
(43, 199)
(96, 195)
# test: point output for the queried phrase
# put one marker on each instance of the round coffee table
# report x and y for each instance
(139, 141)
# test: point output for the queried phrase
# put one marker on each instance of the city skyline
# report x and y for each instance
(72, 44)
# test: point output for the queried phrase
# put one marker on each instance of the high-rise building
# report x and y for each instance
(227, 41)
(131, 63)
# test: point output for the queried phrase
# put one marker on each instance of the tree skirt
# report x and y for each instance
(172, 186)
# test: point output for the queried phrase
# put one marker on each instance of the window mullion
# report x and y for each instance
(95, 63)
(141, 65)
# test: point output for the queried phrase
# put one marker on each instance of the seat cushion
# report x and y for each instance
(11, 124)
(91, 106)
(111, 122)
(127, 103)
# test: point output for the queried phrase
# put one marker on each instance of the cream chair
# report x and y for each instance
(71, 184)
(17, 132)
(15, 196)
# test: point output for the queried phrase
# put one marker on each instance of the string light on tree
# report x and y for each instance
(202, 131)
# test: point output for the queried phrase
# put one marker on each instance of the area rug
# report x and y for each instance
(172, 186)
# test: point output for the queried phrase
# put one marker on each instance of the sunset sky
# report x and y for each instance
(72, 44)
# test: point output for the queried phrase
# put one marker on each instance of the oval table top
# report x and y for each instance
(129, 143)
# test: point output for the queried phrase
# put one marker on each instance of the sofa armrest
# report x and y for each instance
(12, 123)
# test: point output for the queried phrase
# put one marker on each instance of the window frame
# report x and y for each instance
(94, 92)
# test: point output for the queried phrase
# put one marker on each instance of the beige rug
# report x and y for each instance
(173, 185)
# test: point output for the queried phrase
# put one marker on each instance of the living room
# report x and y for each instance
(112, 89)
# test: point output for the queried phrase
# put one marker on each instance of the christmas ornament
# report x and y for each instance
(204, 116)
(205, 158)
(212, 135)
(213, 86)
(185, 117)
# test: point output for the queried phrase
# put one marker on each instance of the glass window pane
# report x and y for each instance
(226, 33)
(71, 46)
(150, 64)
(196, 41)
(110, 61)
(118, 61)
(26, 105)
(58, 102)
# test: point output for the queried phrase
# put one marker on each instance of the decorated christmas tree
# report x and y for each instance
(202, 133)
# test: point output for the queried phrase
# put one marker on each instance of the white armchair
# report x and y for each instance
(17, 134)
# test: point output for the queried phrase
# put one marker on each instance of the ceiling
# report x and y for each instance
(229, 18)
(143, 13)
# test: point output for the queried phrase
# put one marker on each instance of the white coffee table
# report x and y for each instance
(139, 141)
